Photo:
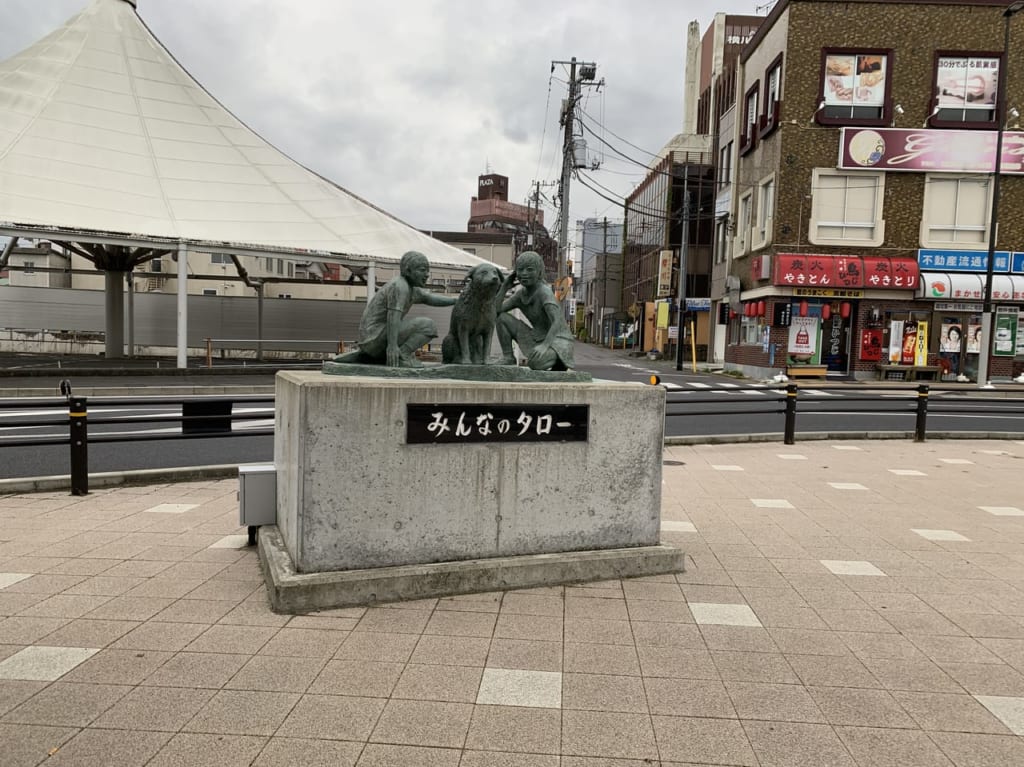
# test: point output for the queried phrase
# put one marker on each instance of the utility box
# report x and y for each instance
(257, 495)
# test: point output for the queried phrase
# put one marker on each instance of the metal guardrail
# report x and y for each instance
(914, 401)
(207, 416)
(201, 417)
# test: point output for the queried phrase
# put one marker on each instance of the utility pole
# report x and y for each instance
(684, 249)
(584, 72)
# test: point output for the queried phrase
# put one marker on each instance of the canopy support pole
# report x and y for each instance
(113, 347)
(182, 305)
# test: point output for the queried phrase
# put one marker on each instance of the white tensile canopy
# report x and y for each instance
(107, 142)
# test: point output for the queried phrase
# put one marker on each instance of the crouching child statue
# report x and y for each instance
(545, 339)
(386, 335)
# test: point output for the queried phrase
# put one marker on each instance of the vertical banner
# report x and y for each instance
(665, 273)
(921, 349)
(662, 315)
(909, 347)
(895, 342)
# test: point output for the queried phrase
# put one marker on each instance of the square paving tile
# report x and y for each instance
(43, 663)
(525, 654)
(776, 702)
(608, 734)
(26, 745)
(587, 658)
(797, 743)
(171, 508)
(951, 712)
(1010, 711)
(710, 613)
(907, 473)
(457, 684)
(726, 467)
(423, 723)
(9, 579)
(906, 748)
(62, 703)
(845, 447)
(515, 687)
(847, 486)
(792, 457)
(189, 748)
(688, 697)
(771, 503)
(109, 748)
(604, 692)
(674, 526)
(385, 755)
(850, 567)
(152, 708)
(1003, 511)
(243, 712)
(451, 651)
(340, 717)
(515, 730)
(371, 679)
(851, 706)
(958, 461)
(974, 750)
(273, 674)
(939, 535)
(289, 752)
(702, 741)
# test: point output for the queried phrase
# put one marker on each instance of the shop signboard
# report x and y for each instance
(919, 150)
(665, 273)
(921, 348)
(803, 339)
(948, 260)
(871, 344)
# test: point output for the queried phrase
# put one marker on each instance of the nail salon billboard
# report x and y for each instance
(929, 151)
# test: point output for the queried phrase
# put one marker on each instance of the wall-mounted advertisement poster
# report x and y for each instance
(1004, 337)
(854, 79)
(974, 338)
(895, 342)
(966, 83)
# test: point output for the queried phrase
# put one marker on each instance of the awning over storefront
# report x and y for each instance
(830, 271)
(970, 286)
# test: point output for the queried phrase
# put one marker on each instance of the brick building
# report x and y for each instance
(860, 217)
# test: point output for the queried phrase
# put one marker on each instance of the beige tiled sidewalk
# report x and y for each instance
(860, 605)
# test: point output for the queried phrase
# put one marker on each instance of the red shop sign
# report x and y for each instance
(799, 270)
(877, 272)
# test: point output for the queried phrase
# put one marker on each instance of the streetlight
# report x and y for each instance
(986, 317)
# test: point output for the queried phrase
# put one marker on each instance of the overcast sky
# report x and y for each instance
(405, 103)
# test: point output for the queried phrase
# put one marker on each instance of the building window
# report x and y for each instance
(291, 269)
(748, 137)
(725, 166)
(280, 266)
(29, 267)
(854, 87)
(743, 222)
(956, 211)
(156, 265)
(772, 96)
(220, 258)
(268, 264)
(965, 90)
(209, 291)
(750, 330)
(721, 239)
(846, 208)
(284, 295)
(765, 211)
(471, 251)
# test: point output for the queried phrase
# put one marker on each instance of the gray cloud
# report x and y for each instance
(404, 103)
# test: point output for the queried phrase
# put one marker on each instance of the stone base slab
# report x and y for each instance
(291, 592)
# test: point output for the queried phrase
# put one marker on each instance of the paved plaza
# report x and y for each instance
(845, 603)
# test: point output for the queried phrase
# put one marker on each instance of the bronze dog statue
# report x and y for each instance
(473, 317)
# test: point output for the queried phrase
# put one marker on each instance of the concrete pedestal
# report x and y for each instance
(354, 494)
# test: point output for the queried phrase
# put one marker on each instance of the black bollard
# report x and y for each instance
(922, 412)
(79, 433)
(790, 435)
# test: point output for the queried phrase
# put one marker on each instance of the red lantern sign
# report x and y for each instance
(760, 308)
(732, 314)
(826, 311)
(803, 308)
(844, 309)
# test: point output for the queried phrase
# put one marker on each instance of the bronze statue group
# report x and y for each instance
(387, 336)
